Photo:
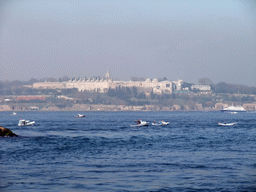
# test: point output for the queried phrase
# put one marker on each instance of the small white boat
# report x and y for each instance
(23, 122)
(227, 124)
(160, 123)
(79, 115)
(140, 123)
(13, 113)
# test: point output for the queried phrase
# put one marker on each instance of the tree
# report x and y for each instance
(205, 81)
(185, 85)
(162, 79)
(137, 79)
(32, 80)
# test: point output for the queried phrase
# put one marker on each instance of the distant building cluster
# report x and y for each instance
(102, 85)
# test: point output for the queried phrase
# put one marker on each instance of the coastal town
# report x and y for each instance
(106, 94)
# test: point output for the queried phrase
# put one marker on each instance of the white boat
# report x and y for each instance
(227, 124)
(160, 123)
(13, 113)
(233, 109)
(140, 123)
(23, 122)
(79, 115)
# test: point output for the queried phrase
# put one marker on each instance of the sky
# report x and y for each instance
(176, 39)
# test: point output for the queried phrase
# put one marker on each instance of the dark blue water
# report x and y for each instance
(101, 152)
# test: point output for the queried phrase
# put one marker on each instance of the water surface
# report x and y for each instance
(101, 152)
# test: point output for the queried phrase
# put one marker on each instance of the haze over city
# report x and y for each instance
(175, 39)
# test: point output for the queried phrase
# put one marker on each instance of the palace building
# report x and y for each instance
(102, 85)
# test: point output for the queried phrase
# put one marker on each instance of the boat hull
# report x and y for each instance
(227, 124)
(139, 125)
(142, 124)
(25, 123)
(232, 111)
(28, 124)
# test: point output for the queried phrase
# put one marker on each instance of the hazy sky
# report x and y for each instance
(177, 39)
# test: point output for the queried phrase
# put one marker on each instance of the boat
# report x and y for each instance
(233, 109)
(79, 115)
(160, 123)
(140, 123)
(227, 124)
(13, 113)
(23, 122)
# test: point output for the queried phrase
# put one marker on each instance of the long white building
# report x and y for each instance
(102, 85)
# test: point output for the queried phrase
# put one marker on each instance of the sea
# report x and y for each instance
(102, 152)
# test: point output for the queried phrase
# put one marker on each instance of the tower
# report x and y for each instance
(107, 76)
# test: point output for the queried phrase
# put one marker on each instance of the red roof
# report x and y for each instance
(27, 98)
